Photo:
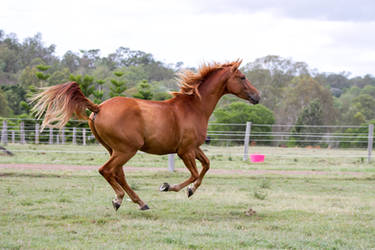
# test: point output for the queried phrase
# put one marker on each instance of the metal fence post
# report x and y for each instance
(63, 135)
(50, 136)
(22, 133)
(4, 133)
(84, 136)
(13, 136)
(74, 139)
(36, 133)
(370, 141)
(246, 141)
(171, 162)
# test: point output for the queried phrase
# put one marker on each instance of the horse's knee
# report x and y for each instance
(104, 172)
(207, 165)
(101, 171)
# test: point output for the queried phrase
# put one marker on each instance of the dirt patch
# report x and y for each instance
(212, 171)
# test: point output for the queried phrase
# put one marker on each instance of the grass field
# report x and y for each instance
(220, 157)
(64, 209)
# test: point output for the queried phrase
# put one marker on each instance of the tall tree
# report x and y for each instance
(272, 74)
(312, 114)
(15, 95)
(118, 85)
(70, 60)
(4, 108)
(86, 83)
(144, 91)
(42, 75)
(299, 93)
(99, 92)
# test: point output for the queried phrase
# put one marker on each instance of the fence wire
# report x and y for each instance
(27, 131)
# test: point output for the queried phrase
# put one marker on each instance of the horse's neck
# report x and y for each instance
(211, 92)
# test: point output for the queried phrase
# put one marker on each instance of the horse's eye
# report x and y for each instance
(243, 78)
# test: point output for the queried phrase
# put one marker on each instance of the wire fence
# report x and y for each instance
(27, 131)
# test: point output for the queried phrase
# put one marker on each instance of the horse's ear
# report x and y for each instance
(236, 65)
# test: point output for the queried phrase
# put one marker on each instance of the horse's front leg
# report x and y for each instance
(205, 167)
(189, 161)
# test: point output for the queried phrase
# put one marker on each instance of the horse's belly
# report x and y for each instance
(158, 148)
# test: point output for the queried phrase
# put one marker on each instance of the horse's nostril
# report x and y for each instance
(254, 98)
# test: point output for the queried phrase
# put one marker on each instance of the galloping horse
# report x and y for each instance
(125, 125)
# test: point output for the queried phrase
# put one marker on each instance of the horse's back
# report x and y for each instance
(146, 125)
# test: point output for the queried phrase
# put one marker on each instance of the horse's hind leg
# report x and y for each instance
(120, 177)
(112, 172)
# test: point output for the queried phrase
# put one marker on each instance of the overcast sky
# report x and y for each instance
(329, 35)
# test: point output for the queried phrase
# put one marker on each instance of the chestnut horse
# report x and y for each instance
(125, 125)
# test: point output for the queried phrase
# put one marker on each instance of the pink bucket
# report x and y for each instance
(256, 158)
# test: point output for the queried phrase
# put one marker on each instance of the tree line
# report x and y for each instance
(292, 93)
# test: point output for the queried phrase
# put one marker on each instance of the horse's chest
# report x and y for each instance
(194, 136)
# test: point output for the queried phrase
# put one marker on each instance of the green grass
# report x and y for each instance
(220, 157)
(61, 209)
(44, 209)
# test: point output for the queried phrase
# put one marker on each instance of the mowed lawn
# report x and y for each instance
(64, 209)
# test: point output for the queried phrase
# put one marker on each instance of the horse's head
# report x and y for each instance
(238, 85)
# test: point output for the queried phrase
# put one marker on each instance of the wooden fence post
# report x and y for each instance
(84, 136)
(36, 133)
(171, 162)
(22, 133)
(246, 141)
(370, 141)
(4, 133)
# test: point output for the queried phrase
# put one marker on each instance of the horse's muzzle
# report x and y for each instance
(254, 99)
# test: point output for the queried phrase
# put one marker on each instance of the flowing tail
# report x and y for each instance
(60, 103)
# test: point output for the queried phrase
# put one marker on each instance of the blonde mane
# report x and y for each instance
(190, 81)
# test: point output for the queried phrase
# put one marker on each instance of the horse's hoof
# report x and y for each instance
(115, 205)
(189, 192)
(145, 207)
(164, 187)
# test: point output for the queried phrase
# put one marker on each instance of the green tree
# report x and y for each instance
(4, 109)
(99, 92)
(86, 83)
(160, 96)
(369, 90)
(42, 75)
(26, 106)
(15, 95)
(33, 47)
(298, 95)
(71, 61)
(272, 74)
(59, 76)
(240, 112)
(357, 138)
(312, 114)
(361, 110)
(28, 77)
(144, 91)
(118, 85)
